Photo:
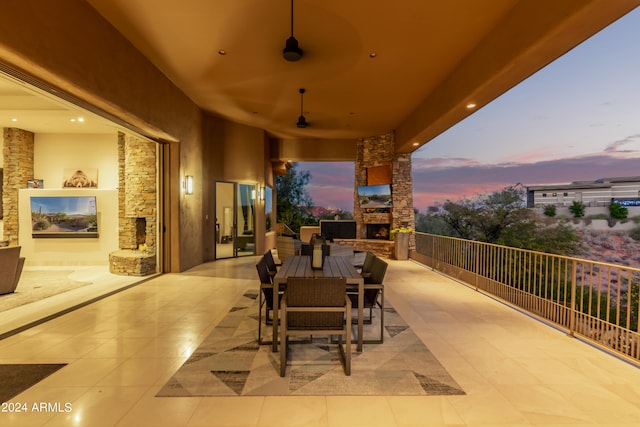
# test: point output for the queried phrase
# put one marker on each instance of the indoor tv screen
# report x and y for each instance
(64, 216)
(375, 196)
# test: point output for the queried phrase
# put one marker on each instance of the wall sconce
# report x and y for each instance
(262, 191)
(188, 184)
(253, 194)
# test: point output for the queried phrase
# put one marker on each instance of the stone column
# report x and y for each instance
(18, 169)
(137, 205)
(377, 151)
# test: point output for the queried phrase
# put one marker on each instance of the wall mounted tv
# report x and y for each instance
(375, 196)
(64, 216)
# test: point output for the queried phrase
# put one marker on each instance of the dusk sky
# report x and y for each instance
(577, 119)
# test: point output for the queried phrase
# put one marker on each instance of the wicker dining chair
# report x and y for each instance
(365, 270)
(316, 306)
(272, 267)
(373, 294)
(265, 297)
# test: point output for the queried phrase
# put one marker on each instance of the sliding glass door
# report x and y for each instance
(235, 219)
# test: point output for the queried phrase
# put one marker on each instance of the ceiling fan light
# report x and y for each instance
(291, 51)
(302, 122)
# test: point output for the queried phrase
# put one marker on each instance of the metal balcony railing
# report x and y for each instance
(594, 300)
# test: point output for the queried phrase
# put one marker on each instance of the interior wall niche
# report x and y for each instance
(141, 231)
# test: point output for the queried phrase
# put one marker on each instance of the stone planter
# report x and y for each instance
(402, 246)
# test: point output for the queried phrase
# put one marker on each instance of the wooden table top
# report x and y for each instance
(334, 266)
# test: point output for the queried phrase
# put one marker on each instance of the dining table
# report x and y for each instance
(333, 266)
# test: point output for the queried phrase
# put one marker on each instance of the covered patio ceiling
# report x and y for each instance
(369, 67)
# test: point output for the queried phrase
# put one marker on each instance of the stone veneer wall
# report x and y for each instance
(379, 151)
(137, 189)
(136, 199)
(18, 169)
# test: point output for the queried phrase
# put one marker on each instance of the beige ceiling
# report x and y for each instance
(431, 58)
(28, 108)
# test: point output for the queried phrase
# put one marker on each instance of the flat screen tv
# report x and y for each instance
(64, 216)
(340, 229)
(375, 196)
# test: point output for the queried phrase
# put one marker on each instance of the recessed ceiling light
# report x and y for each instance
(373, 55)
(13, 119)
(415, 144)
(471, 105)
(222, 52)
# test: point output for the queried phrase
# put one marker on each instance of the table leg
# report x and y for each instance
(360, 313)
(274, 317)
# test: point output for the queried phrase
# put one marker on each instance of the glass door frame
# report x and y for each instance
(226, 222)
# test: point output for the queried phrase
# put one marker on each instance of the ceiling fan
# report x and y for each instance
(291, 51)
(302, 122)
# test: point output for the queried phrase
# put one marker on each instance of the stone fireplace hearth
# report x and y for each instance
(378, 231)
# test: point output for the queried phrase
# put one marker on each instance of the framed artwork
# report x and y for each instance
(64, 216)
(80, 178)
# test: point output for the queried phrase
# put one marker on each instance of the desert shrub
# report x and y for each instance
(550, 210)
(577, 208)
(618, 211)
(635, 233)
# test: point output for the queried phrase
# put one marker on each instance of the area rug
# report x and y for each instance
(231, 363)
(14, 379)
(38, 285)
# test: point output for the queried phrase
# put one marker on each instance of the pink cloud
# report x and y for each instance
(438, 180)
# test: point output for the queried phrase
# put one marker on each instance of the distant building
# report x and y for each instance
(598, 193)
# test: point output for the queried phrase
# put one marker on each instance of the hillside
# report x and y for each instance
(613, 247)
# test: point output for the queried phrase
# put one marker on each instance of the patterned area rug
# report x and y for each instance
(14, 379)
(231, 363)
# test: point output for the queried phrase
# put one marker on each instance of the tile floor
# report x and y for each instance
(121, 350)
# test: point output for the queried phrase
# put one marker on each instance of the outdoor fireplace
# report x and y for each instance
(378, 231)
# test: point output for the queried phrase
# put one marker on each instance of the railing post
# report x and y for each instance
(572, 308)
(477, 266)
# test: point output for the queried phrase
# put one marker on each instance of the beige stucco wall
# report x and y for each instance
(233, 152)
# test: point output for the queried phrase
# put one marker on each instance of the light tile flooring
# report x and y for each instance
(121, 350)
